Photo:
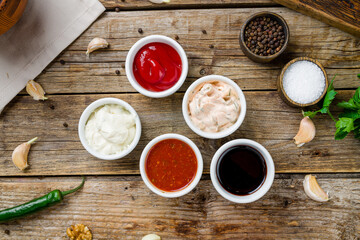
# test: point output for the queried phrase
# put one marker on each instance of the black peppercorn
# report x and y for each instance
(264, 36)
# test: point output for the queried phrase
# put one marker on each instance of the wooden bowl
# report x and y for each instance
(10, 12)
(257, 58)
(281, 90)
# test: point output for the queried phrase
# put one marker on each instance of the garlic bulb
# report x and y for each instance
(20, 154)
(95, 44)
(159, 1)
(306, 132)
(151, 237)
(35, 90)
(313, 190)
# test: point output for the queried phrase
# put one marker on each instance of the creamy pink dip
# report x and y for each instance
(214, 106)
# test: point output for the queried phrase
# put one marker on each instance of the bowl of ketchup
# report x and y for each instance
(156, 66)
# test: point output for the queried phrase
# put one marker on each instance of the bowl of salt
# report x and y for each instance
(302, 82)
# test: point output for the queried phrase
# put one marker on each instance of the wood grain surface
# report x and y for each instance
(337, 51)
(338, 13)
(115, 203)
(124, 208)
(268, 120)
(146, 4)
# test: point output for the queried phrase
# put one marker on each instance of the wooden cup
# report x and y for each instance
(257, 58)
(281, 90)
(10, 12)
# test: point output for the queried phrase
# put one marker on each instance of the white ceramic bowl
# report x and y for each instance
(194, 182)
(270, 172)
(85, 116)
(225, 132)
(130, 60)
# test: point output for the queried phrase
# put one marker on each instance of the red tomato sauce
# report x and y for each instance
(171, 165)
(157, 67)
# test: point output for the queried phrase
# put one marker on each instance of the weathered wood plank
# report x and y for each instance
(338, 51)
(268, 121)
(146, 4)
(123, 208)
(344, 15)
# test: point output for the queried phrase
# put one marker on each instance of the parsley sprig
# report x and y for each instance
(349, 120)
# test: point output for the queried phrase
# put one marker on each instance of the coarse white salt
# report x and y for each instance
(304, 82)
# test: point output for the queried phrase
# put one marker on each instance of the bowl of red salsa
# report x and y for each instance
(156, 66)
(171, 165)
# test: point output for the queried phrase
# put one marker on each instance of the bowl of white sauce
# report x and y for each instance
(214, 106)
(109, 128)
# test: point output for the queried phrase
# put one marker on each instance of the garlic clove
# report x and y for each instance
(35, 90)
(159, 1)
(313, 189)
(95, 44)
(20, 154)
(306, 132)
(151, 237)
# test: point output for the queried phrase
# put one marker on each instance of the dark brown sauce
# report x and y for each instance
(241, 170)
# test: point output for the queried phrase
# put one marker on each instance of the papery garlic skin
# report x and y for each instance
(20, 154)
(159, 1)
(151, 237)
(313, 189)
(35, 90)
(306, 132)
(95, 44)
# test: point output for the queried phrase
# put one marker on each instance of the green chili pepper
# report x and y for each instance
(37, 204)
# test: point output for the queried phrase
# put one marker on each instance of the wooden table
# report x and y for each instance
(115, 203)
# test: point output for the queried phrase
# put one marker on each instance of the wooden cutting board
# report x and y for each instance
(343, 14)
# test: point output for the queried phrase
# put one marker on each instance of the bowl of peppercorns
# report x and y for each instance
(264, 36)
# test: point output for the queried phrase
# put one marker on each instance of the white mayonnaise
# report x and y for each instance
(110, 129)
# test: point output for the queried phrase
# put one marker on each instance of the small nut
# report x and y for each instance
(79, 232)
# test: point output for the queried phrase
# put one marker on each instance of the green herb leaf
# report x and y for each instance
(350, 114)
(324, 110)
(309, 114)
(348, 105)
(357, 133)
(357, 128)
(345, 123)
(339, 134)
(343, 127)
(331, 85)
(359, 75)
(356, 97)
(330, 95)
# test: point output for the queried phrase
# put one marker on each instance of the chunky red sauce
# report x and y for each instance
(171, 165)
(157, 67)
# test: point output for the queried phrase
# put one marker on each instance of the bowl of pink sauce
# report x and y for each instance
(214, 106)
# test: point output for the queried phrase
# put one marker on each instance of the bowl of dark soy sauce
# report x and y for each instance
(242, 171)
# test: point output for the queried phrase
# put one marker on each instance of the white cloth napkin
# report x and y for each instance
(46, 28)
